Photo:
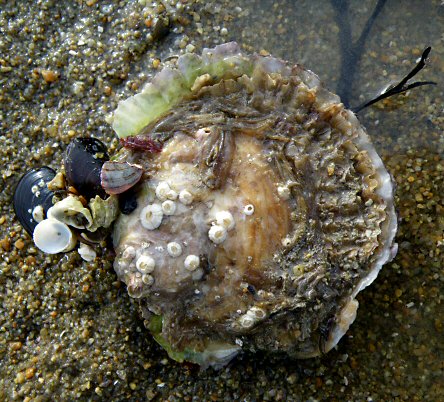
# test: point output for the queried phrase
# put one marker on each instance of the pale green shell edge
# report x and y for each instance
(170, 86)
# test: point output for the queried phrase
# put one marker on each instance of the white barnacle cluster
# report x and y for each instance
(143, 263)
(220, 227)
(164, 202)
(152, 215)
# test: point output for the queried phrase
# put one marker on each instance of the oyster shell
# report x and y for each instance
(307, 205)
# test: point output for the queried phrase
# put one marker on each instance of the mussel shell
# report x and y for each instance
(83, 162)
(26, 198)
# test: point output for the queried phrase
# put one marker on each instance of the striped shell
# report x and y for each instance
(117, 177)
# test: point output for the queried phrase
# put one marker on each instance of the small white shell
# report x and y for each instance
(71, 211)
(217, 234)
(249, 209)
(174, 249)
(52, 236)
(145, 264)
(225, 219)
(87, 252)
(168, 207)
(185, 197)
(151, 216)
(192, 262)
(38, 213)
(162, 190)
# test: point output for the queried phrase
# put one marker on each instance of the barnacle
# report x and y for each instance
(264, 213)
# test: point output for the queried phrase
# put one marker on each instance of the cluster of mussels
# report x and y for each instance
(261, 208)
(59, 209)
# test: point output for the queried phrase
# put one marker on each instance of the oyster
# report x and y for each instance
(308, 207)
(264, 213)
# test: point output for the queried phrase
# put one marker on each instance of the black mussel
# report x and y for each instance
(32, 198)
(83, 162)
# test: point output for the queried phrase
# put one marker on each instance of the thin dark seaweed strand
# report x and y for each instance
(401, 86)
(350, 53)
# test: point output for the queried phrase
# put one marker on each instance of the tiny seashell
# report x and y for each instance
(117, 177)
(87, 252)
(103, 212)
(53, 237)
(71, 211)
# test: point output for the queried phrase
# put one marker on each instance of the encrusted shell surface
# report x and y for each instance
(262, 143)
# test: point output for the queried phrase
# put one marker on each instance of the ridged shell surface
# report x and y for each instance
(283, 210)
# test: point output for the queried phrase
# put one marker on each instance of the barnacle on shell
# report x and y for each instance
(307, 203)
